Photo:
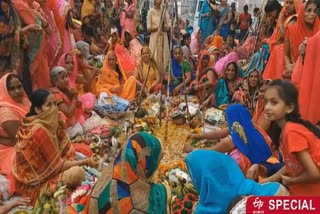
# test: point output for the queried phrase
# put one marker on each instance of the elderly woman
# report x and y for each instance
(147, 70)
(248, 94)
(67, 99)
(44, 151)
(14, 105)
(113, 79)
(125, 186)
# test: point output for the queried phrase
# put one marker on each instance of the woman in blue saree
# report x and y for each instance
(228, 84)
(207, 20)
(219, 180)
(181, 72)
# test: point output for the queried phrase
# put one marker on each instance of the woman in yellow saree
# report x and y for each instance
(113, 80)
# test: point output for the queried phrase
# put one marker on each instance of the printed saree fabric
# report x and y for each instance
(37, 56)
(9, 37)
(42, 146)
(124, 186)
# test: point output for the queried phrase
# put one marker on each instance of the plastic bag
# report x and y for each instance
(92, 122)
(87, 100)
(74, 130)
(4, 187)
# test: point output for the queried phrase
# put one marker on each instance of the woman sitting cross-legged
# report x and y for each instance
(43, 149)
(147, 66)
(206, 78)
(180, 76)
(113, 79)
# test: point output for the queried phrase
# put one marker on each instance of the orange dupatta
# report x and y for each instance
(109, 79)
(309, 84)
(7, 101)
(296, 32)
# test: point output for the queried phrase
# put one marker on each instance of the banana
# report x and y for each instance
(191, 188)
(179, 191)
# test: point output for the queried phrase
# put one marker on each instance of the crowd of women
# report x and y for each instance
(232, 62)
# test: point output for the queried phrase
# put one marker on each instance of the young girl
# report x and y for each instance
(299, 139)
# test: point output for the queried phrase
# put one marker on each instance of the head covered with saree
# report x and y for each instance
(248, 95)
(153, 64)
(298, 31)
(247, 137)
(218, 180)
(124, 186)
(42, 146)
(7, 101)
(64, 59)
(276, 36)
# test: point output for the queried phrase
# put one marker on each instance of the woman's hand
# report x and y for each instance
(286, 180)
(253, 172)
(92, 163)
(188, 148)
(32, 28)
(116, 90)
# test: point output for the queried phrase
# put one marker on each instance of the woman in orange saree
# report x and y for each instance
(37, 40)
(309, 84)
(206, 78)
(307, 25)
(113, 80)
(14, 105)
(275, 66)
(44, 151)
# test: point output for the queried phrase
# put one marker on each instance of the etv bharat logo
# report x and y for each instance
(258, 203)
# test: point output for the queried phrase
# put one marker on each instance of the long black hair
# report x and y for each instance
(289, 94)
(37, 98)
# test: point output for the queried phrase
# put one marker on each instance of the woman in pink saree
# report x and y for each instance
(195, 44)
(126, 18)
(62, 11)
(54, 45)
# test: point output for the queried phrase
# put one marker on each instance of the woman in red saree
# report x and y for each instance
(275, 66)
(14, 105)
(206, 78)
(44, 151)
(307, 25)
(37, 43)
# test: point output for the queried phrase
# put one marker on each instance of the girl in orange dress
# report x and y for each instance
(299, 139)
